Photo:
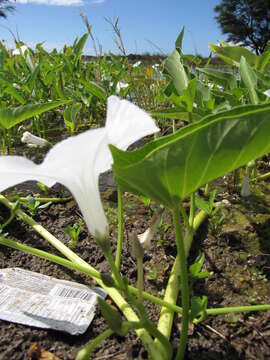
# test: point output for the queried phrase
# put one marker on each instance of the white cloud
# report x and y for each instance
(97, 1)
(53, 2)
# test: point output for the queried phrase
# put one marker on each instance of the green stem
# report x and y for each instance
(237, 309)
(192, 209)
(184, 283)
(94, 274)
(261, 177)
(147, 324)
(120, 228)
(140, 281)
(113, 293)
(167, 312)
(44, 200)
(207, 189)
(173, 126)
(85, 353)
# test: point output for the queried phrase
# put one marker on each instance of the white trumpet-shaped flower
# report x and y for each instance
(33, 141)
(77, 161)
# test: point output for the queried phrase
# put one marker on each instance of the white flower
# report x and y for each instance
(137, 64)
(155, 66)
(267, 93)
(20, 50)
(120, 85)
(77, 161)
(33, 141)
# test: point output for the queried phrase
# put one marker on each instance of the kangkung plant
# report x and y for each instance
(226, 117)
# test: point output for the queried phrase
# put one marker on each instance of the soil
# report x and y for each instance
(236, 255)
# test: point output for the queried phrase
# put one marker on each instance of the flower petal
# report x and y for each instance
(76, 164)
(126, 123)
(16, 169)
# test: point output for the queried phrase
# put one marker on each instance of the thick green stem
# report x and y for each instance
(171, 294)
(113, 293)
(120, 228)
(85, 353)
(184, 283)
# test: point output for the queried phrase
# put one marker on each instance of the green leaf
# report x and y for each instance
(12, 116)
(222, 78)
(175, 69)
(107, 279)
(249, 78)
(170, 168)
(70, 116)
(179, 41)
(112, 317)
(14, 93)
(175, 113)
(232, 54)
(95, 90)
(78, 47)
(188, 95)
(196, 267)
(202, 204)
(264, 60)
(198, 308)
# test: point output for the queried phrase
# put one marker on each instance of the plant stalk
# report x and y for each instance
(85, 353)
(167, 313)
(120, 228)
(184, 283)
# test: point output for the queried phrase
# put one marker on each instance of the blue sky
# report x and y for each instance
(142, 22)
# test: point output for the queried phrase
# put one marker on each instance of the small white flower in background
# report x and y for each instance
(16, 86)
(78, 161)
(267, 93)
(155, 66)
(137, 64)
(20, 50)
(33, 141)
(146, 237)
(245, 190)
(120, 85)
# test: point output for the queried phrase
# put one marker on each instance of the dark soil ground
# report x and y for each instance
(236, 255)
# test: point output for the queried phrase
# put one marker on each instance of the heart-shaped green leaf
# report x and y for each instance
(170, 168)
(12, 116)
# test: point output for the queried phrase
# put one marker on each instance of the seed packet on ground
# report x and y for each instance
(42, 301)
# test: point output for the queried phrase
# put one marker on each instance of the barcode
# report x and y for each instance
(4, 294)
(67, 292)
